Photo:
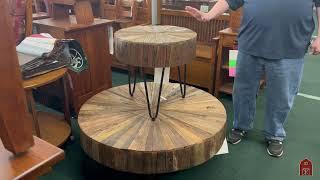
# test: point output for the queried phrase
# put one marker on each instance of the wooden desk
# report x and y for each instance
(37, 161)
(55, 129)
(94, 41)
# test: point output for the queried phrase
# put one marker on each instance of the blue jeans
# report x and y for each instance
(283, 78)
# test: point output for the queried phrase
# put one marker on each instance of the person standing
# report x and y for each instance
(273, 38)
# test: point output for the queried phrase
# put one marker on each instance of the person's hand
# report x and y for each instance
(315, 46)
(200, 16)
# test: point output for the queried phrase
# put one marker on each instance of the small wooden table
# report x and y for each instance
(52, 128)
(37, 161)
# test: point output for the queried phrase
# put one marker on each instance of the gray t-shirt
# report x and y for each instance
(275, 29)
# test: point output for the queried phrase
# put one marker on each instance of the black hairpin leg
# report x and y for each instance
(131, 91)
(153, 116)
(183, 91)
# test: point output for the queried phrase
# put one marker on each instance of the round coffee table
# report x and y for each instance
(150, 127)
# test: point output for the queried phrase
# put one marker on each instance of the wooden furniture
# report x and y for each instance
(15, 122)
(22, 156)
(223, 82)
(54, 129)
(228, 40)
(116, 130)
(155, 46)
(82, 10)
(41, 9)
(130, 11)
(201, 72)
(36, 162)
(94, 41)
(155, 127)
(235, 19)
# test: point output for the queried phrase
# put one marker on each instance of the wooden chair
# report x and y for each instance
(41, 9)
(33, 83)
(126, 12)
(201, 72)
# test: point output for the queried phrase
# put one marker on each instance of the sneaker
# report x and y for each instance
(275, 148)
(236, 135)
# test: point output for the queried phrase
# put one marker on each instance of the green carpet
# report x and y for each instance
(246, 161)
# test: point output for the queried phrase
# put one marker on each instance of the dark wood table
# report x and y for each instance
(37, 161)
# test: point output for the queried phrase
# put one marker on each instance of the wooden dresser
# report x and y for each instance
(94, 41)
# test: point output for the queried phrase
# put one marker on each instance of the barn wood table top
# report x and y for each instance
(155, 46)
(117, 131)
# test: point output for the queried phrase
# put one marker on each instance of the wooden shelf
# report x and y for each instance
(226, 88)
(53, 128)
(225, 67)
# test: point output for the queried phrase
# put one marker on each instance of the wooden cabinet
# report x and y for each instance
(223, 82)
(94, 41)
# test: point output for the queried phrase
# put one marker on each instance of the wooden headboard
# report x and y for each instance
(206, 31)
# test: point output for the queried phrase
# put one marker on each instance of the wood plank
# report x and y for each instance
(35, 162)
(186, 133)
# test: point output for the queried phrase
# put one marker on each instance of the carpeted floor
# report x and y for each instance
(246, 161)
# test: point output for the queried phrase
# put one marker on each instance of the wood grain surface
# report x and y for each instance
(15, 122)
(116, 129)
(44, 79)
(155, 46)
(36, 162)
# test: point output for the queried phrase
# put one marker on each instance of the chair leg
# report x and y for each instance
(67, 115)
(32, 104)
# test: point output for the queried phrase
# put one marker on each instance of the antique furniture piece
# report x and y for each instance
(153, 127)
(201, 72)
(37, 161)
(15, 121)
(94, 41)
(41, 9)
(223, 82)
(131, 11)
(82, 10)
(53, 128)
